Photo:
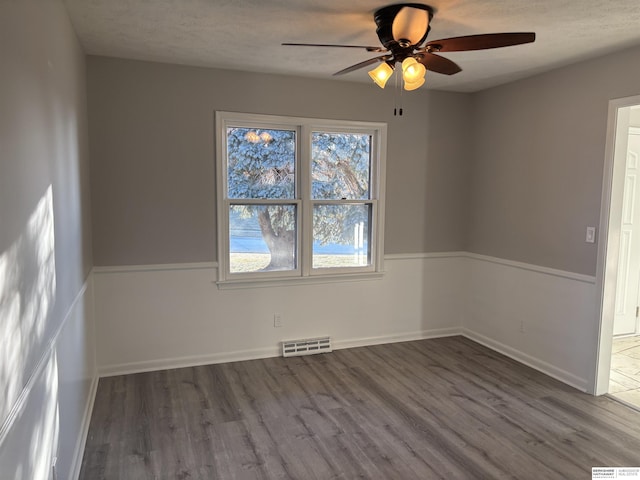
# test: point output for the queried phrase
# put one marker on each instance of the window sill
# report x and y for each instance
(296, 281)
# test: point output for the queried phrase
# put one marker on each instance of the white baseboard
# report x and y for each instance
(191, 361)
(78, 455)
(535, 363)
(395, 338)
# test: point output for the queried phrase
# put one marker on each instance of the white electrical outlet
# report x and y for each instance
(277, 320)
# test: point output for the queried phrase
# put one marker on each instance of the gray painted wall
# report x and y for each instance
(45, 235)
(538, 156)
(152, 155)
(513, 172)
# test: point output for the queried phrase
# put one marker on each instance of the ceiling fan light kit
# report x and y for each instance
(402, 30)
(412, 73)
(409, 23)
(413, 85)
(381, 74)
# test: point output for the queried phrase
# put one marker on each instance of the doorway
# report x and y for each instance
(624, 377)
(618, 275)
(625, 321)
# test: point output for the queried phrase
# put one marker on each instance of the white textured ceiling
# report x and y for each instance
(246, 34)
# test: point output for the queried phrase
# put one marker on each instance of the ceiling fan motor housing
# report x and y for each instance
(384, 18)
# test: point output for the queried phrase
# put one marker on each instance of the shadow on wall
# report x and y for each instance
(27, 295)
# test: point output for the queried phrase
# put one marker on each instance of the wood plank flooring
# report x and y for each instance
(445, 408)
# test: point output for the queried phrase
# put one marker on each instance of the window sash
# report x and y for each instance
(293, 272)
(255, 126)
(371, 240)
(303, 202)
(370, 160)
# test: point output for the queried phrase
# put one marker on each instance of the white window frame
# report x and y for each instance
(304, 272)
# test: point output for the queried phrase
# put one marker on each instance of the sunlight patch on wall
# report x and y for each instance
(27, 294)
(29, 453)
(44, 436)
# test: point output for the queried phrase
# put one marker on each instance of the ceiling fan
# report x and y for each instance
(402, 30)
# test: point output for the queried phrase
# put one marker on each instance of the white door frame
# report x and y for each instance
(609, 241)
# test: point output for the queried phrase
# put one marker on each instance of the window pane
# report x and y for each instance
(262, 238)
(260, 163)
(341, 164)
(341, 236)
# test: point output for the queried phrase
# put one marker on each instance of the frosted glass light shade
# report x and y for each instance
(381, 74)
(412, 70)
(413, 85)
(410, 25)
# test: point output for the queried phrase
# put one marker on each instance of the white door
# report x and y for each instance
(626, 321)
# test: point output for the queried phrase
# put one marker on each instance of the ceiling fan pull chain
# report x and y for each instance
(401, 96)
(395, 98)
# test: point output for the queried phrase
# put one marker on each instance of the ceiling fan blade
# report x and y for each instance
(438, 64)
(368, 49)
(366, 63)
(480, 42)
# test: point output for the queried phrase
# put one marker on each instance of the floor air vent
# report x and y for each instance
(291, 348)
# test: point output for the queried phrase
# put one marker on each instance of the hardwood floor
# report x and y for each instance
(445, 408)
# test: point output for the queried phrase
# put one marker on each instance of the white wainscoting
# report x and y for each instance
(51, 417)
(156, 317)
(149, 319)
(542, 317)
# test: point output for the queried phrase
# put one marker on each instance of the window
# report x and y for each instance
(298, 198)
